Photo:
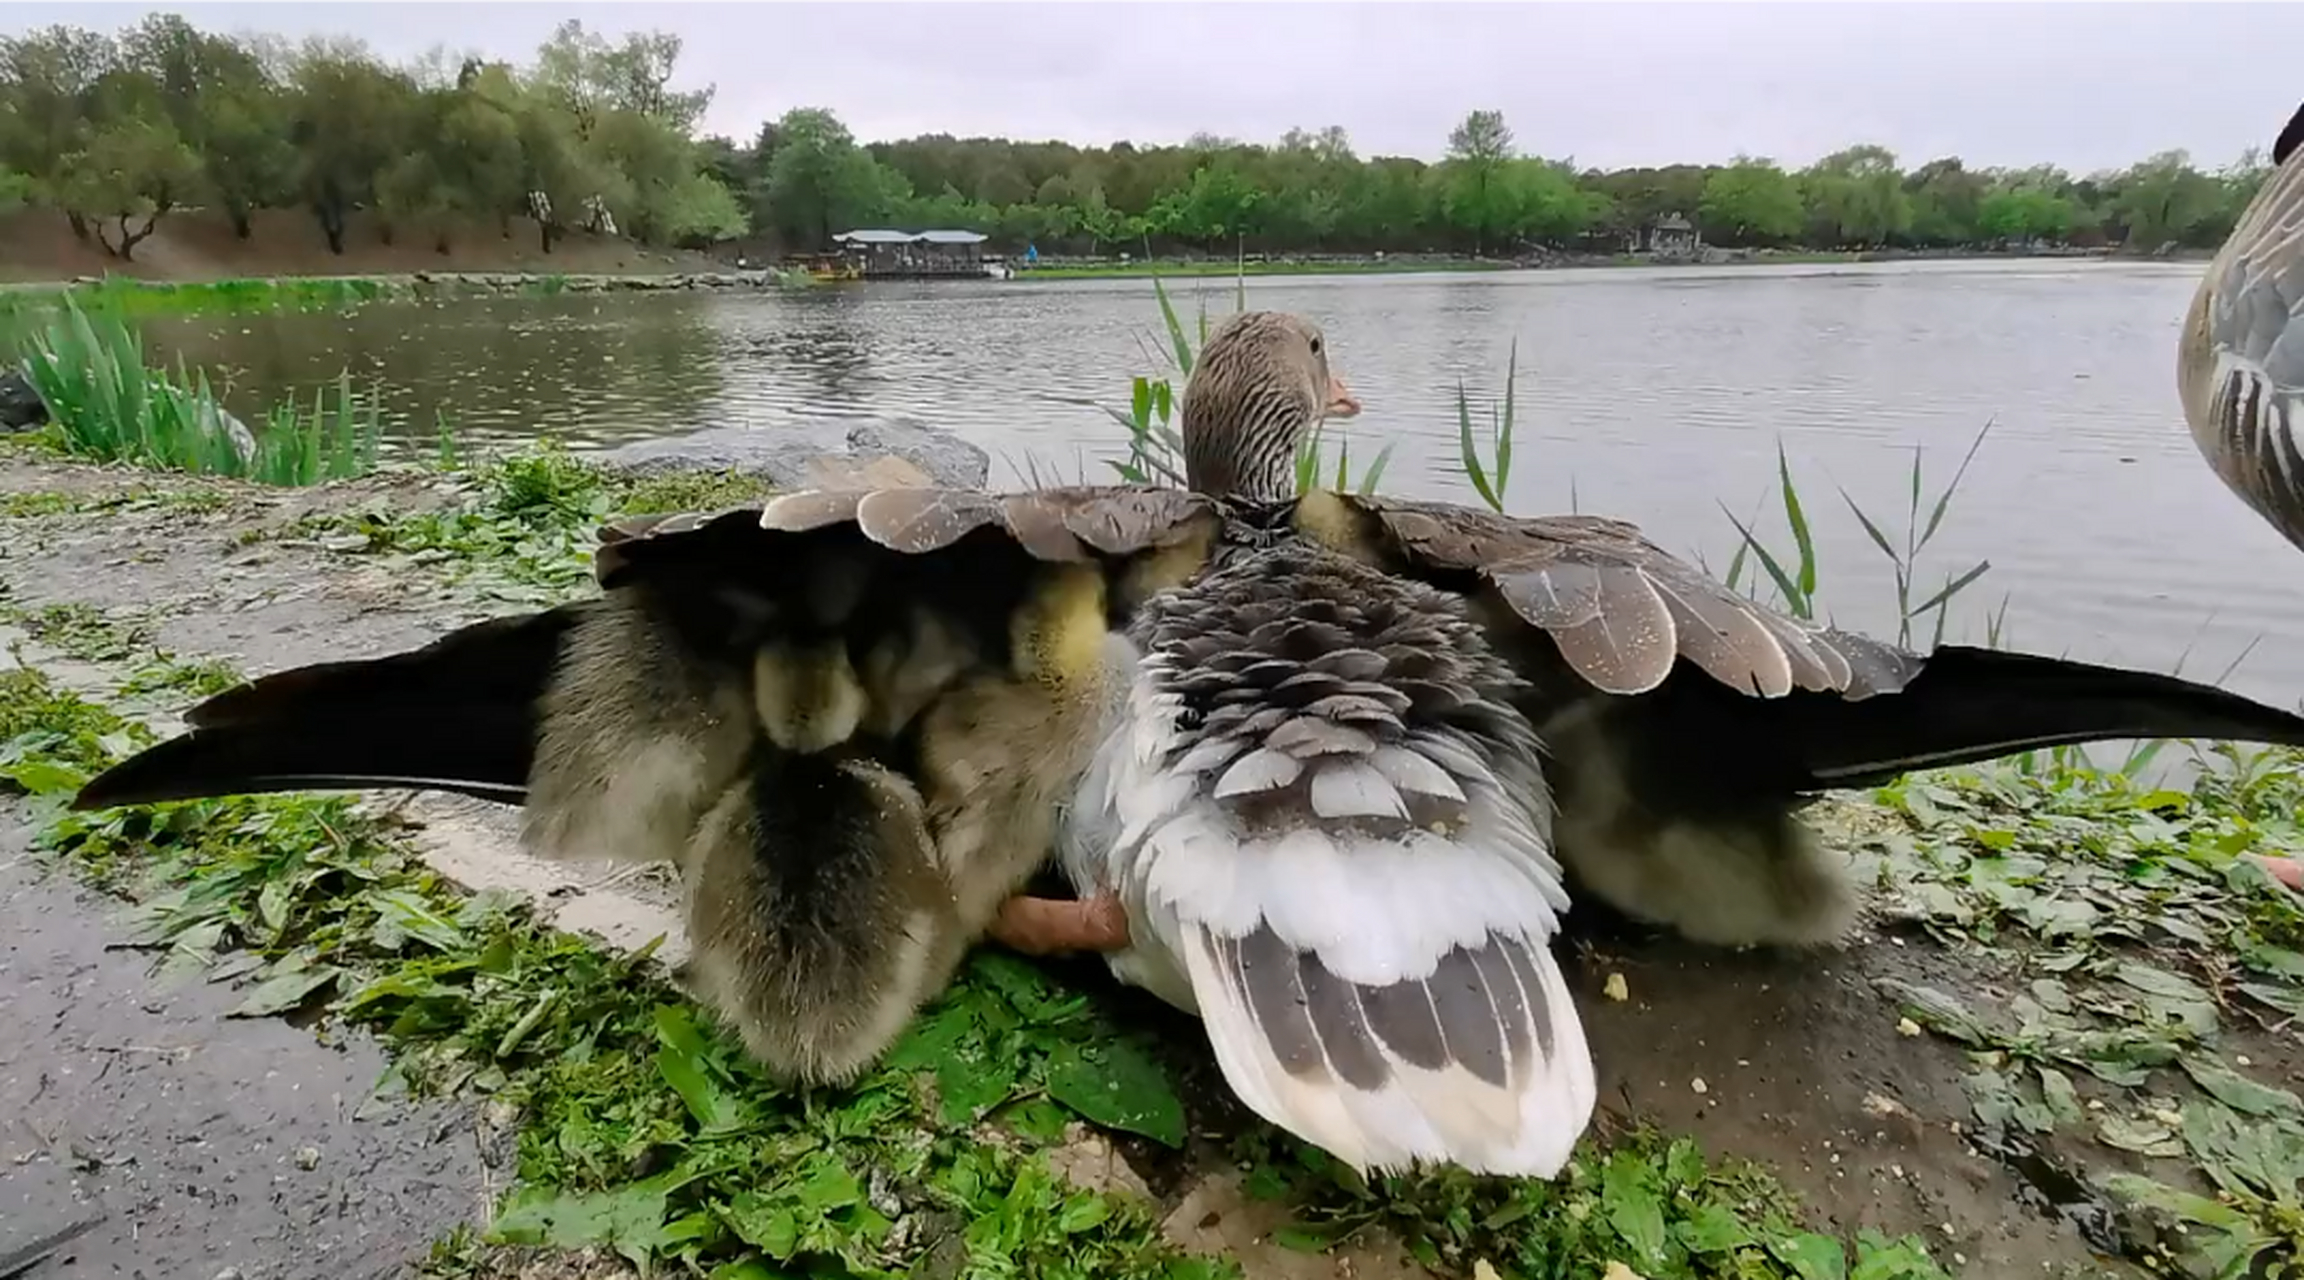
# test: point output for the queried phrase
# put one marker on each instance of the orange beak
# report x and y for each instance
(1341, 403)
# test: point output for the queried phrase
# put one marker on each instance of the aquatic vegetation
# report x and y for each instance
(106, 404)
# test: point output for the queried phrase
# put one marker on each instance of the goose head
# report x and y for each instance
(1261, 385)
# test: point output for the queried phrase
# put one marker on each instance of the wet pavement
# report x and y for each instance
(144, 1134)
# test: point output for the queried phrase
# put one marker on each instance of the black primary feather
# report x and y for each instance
(2289, 137)
(458, 714)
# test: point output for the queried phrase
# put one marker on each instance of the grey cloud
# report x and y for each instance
(2085, 86)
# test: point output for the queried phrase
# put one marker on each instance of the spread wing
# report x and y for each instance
(1622, 611)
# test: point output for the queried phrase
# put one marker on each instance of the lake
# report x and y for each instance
(1654, 395)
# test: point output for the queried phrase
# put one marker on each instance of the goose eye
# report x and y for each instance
(1315, 346)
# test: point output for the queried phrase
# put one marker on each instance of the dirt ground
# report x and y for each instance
(38, 245)
(1793, 1061)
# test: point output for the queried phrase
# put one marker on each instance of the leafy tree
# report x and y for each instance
(588, 77)
(225, 105)
(1751, 201)
(2163, 198)
(479, 154)
(1538, 200)
(698, 210)
(130, 169)
(412, 190)
(819, 179)
(1856, 196)
(1478, 149)
(1946, 202)
(1638, 197)
(1219, 207)
(2024, 214)
(349, 119)
(50, 79)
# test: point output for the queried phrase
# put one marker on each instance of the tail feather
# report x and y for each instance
(1483, 1062)
(1970, 704)
(456, 715)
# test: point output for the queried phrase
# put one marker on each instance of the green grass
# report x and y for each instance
(106, 404)
(128, 296)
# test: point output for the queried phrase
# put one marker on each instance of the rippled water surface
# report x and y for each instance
(1652, 395)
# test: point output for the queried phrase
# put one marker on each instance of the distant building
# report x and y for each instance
(914, 255)
(1670, 236)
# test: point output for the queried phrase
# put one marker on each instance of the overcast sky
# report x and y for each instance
(2081, 85)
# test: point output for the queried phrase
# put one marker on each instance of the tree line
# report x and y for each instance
(115, 132)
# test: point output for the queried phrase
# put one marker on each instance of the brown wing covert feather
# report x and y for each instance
(1623, 611)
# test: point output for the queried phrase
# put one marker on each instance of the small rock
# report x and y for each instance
(1907, 1027)
(954, 462)
(307, 1158)
(1881, 1105)
(21, 408)
(229, 1273)
(1617, 1271)
(1699, 1086)
(1616, 988)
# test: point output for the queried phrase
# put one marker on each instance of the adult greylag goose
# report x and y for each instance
(1313, 763)
(2240, 360)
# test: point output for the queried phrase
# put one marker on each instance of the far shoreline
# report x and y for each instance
(370, 286)
(1177, 269)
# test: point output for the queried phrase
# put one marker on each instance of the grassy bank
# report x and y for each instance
(133, 297)
(127, 296)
